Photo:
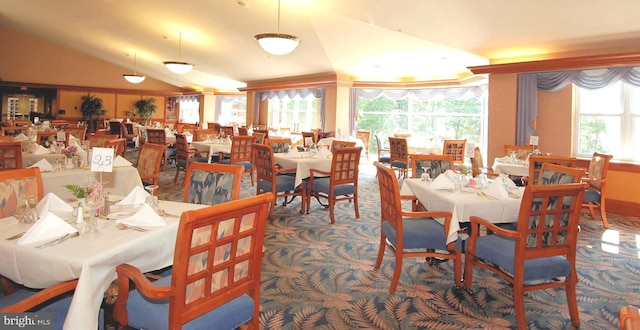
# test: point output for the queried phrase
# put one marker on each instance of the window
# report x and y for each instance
(189, 111)
(233, 110)
(297, 113)
(429, 121)
(608, 120)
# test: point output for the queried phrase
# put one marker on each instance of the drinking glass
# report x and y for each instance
(26, 212)
(425, 175)
(153, 199)
(91, 223)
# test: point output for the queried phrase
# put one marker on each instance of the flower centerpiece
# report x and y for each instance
(92, 191)
(69, 151)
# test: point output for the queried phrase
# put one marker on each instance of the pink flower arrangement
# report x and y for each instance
(69, 151)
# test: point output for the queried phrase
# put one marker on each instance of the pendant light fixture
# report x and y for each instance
(134, 78)
(278, 43)
(178, 66)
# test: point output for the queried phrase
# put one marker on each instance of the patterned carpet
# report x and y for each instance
(320, 276)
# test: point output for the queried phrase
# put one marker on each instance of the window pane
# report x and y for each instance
(635, 100)
(601, 101)
(599, 133)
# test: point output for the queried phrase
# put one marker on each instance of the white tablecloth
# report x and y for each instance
(212, 147)
(505, 166)
(29, 158)
(119, 182)
(462, 205)
(302, 165)
(91, 258)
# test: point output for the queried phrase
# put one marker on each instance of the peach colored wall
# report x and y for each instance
(502, 114)
(34, 60)
(555, 121)
(71, 102)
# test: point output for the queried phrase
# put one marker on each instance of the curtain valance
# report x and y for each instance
(317, 92)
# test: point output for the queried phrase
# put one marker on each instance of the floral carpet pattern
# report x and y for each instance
(320, 276)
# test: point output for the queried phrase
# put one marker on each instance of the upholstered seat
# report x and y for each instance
(149, 161)
(279, 145)
(399, 155)
(411, 234)
(16, 185)
(241, 154)
(383, 156)
(215, 282)
(158, 136)
(595, 197)
(536, 161)
(211, 184)
(186, 155)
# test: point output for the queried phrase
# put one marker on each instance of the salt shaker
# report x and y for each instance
(105, 209)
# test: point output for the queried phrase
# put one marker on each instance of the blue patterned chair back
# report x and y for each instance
(211, 184)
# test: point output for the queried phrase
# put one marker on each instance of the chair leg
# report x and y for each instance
(457, 269)
(355, 205)
(572, 302)
(383, 245)
(332, 204)
(518, 302)
(397, 268)
(469, 259)
(603, 213)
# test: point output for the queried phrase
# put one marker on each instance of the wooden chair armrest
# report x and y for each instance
(476, 222)
(41, 297)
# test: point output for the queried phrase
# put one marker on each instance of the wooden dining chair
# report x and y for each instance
(118, 145)
(149, 161)
(213, 126)
(629, 318)
(241, 154)
(54, 299)
(455, 148)
(45, 138)
(335, 144)
(557, 174)
(309, 138)
(263, 131)
(243, 131)
(159, 136)
(521, 152)
(434, 164)
(412, 234)
(14, 130)
(399, 156)
(186, 155)
(540, 253)
(260, 137)
(227, 130)
(128, 133)
(383, 153)
(202, 134)
(594, 197)
(77, 132)
(18, 185)
(365, 137)
(536, 161)
(7, 138)
(274, 179)
(211, 184)
(99, 140)
(215, 281)
(279, 145)
(340, 184)
(10, 155)
(402, 135)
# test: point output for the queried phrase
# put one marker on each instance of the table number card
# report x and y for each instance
(533, 140)
(61, 136)
(102, 159)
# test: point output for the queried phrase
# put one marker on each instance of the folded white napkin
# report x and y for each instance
(323, 153)
(41, 150)
(496, 190)
(20, 137)
(43, 164)
(51, 202)
(121, 162)
(293, 153)
(137, 196)
(144, 217)
(444, 181)
(50, 226)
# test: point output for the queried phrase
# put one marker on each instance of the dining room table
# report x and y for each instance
(30, 158)
(212, 146)
(120, 181)
(303, 163)
(464, 203)
(91, 258)
(510, 166)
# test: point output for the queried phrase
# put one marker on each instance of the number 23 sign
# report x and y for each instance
(102, 159)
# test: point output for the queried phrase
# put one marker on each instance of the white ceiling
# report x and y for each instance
(368, 40)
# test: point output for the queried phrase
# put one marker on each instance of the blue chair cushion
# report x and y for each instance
(419, 233)
(591, 195)
(200, 159)
(385, 159)
(145, 313)
(322, 185)
(283, 183)
(500, 251)
(247, 165)
(399, 164)
(171, 151)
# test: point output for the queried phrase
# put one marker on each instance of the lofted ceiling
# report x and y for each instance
(365, 40)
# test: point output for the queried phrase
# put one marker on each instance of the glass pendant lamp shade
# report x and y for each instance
(134, 77)
(178, 66)
(278, 43)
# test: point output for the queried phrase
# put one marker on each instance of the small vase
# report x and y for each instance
(69, 164)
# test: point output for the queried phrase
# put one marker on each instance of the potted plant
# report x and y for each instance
(91, 108)
(146, 109)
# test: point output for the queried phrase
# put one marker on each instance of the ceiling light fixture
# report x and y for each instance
(277, 43)
(178, 66)
(134, 78)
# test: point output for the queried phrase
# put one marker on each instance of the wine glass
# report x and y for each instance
(26, 212)
(152, 200)
(425, 174)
